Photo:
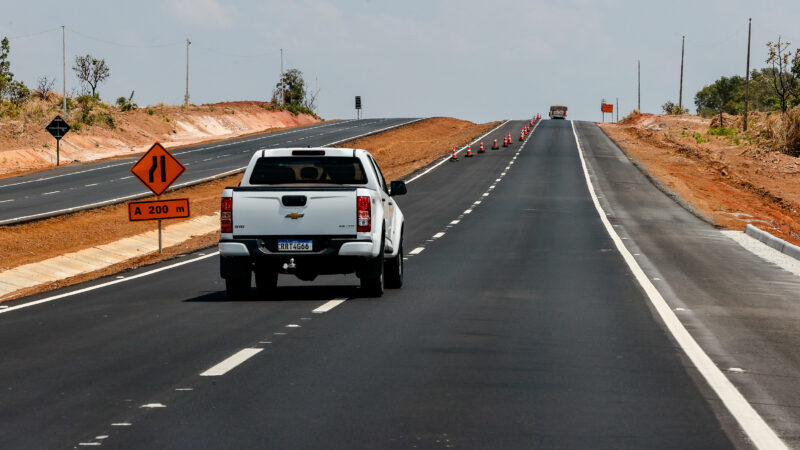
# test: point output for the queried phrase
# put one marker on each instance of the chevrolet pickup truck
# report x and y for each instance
(308, 212)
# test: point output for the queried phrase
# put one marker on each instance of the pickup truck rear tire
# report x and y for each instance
(394, 270)
(266, 282)
(372, 278)
(237, 288)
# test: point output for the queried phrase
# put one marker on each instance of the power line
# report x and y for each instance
(23, 36)
(119, 44)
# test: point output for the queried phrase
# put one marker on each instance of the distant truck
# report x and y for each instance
(558, 112)
(309, 212)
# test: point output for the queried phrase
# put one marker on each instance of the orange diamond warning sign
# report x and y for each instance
(157, 169)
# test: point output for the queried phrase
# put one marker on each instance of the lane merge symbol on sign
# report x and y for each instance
(58, 128)
(157, 169)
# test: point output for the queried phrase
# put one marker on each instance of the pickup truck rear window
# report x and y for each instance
(308, 169)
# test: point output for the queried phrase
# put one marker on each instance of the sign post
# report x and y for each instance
(58, 128)
(607, 108)
(158, 169)
(358, 106)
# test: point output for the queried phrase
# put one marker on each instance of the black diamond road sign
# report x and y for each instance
(58, 128)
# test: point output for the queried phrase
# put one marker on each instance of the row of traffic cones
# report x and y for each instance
(507, 141)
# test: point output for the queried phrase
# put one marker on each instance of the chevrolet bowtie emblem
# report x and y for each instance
(295, 215)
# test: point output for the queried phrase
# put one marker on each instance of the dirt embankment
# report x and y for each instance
(733, 178)
(399, 152)
(25, 145)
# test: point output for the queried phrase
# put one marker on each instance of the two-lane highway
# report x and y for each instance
(75, 187)
(519, 325)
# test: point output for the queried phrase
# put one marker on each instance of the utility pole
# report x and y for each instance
(747, 75)
(186, 97)
(680, 94)
(282, 94)
(639, 84)
(64, 70)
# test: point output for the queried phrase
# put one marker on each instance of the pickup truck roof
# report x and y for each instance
(305, 151)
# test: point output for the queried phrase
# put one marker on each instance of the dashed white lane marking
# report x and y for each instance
(498, 179)
(125, 178)
(153, 405)
(293, 325)
(184, 389)
(54, 192)
(492, 187)
(477, 202)
(279, 334)
(438, 235)
(89, 444)
(455, 222)
(485, 194)
(416, 251)
(9, 200)
(101, 437)
(762, 436)
(231, 362)
(329, 305)
(121, 424)
(90, 185)
(468, 211)
(503, 174)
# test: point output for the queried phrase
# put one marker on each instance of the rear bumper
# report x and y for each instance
(331, 255)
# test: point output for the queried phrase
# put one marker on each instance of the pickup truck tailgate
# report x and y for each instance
(296, 212)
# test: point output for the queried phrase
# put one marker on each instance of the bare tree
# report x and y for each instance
(783, 82)
(44, 86)
(91, 71)
(310, 100)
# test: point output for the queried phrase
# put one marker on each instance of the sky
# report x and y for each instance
(471, 59)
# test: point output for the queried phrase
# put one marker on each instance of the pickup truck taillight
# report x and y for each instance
(226, 215)
(363, 214)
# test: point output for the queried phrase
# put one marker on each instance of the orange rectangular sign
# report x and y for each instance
(159, 209)
(608, 108)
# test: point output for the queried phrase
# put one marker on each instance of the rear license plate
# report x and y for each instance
(295, 246)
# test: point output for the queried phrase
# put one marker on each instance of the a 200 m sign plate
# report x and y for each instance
(177, 208)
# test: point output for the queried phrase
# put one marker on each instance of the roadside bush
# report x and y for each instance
(721, 131)
(672, 108)
(126, 104)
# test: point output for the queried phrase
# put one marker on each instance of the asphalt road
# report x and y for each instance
(519, 326)
(60, 190)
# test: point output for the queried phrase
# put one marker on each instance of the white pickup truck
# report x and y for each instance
(307, 212)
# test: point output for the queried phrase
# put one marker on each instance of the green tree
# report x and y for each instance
(6, 77)
(91, 71)
(724, 95)
(291, 87)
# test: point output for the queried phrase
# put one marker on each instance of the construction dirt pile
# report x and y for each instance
(25, 145)
(731, 177)
(399, 152)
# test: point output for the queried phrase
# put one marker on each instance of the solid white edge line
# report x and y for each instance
(109, 283)
(762, 436)
(231, 362)
(447, 158)
(329, 305)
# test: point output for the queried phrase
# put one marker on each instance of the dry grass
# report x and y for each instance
(784, 130)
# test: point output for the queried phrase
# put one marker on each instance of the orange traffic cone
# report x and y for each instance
(505, 141)
(469, 151)
(521, 136)
(454, 157)
(495, 146)
(480, 149)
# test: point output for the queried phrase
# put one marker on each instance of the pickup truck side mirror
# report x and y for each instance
(398, 188)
